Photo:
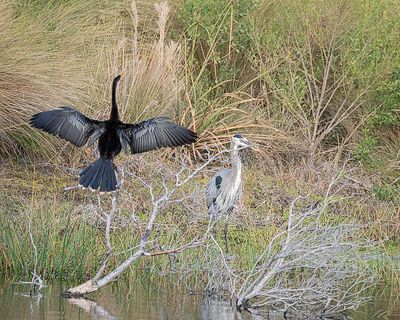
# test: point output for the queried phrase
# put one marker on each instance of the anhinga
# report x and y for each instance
(112, 135)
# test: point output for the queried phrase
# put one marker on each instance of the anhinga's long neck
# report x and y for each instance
(114, 116)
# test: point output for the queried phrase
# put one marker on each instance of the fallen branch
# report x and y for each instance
(181, 178)
(310, 268)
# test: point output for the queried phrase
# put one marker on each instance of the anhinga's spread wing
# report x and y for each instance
(154, 134)
(69, 124)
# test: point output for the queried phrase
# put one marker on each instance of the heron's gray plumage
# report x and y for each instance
(215, 186)
(225, 187)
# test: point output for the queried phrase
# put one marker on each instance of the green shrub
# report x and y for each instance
(218, 33)
(388, 113)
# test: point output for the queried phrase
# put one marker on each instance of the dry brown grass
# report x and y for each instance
(75, 61)
(153, 70)
(49, 59)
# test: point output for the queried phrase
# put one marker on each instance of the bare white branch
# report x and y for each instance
(311, 267)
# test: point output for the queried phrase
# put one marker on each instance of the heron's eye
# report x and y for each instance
(238, 135)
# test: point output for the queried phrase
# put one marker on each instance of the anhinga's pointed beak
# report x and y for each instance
(123, 74)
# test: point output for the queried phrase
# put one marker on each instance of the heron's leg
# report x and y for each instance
(214, 229)
(226, 235)
(214, 219)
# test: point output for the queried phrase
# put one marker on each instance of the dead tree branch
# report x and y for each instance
(109, 251)
(311, 267)
(158, 202)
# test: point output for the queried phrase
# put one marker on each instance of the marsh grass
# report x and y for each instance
(298, 78)
(69, 235)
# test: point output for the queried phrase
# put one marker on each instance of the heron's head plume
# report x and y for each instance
(240, 141)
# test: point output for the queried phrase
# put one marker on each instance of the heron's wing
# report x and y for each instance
(215, 186)
(69, 124)
(154, 134)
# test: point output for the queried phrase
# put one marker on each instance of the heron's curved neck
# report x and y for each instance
(235, 159)
(114, 116)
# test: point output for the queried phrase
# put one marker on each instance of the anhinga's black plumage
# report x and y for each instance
(112, 135)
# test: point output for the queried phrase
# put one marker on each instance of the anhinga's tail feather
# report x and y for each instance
(99, 174)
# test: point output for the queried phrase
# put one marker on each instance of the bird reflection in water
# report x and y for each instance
(94, 309)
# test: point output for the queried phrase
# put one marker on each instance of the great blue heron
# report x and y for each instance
(113, 135)
(225, 187)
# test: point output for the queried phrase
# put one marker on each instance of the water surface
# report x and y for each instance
(145, 302)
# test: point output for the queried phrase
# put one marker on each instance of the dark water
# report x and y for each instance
(147, 302)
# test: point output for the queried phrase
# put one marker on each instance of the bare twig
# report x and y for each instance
(182, 177)
(311, 266)
(36, 283)
(109, 251)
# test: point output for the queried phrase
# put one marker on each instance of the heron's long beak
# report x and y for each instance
(255, 147)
